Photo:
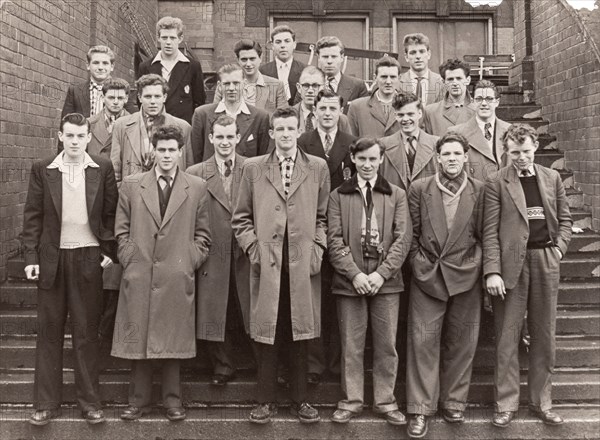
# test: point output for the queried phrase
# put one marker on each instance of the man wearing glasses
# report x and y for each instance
(484, 132)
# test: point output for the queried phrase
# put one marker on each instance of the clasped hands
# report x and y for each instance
(368, 285)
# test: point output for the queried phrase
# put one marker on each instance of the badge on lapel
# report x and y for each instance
(186, 89)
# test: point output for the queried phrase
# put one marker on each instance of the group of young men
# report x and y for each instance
(303, 210)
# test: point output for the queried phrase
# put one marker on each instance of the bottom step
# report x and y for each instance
(232, 424)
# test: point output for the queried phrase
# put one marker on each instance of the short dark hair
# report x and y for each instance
(387, 61)
(453, 64)
(329, 41)
(283, 112)
(404, 98)
(168, 132)
(417, 38)
(486, 84)
(518, 133)
(452, 137)
(75, 119)
(115, 84)
(281, 29)
(364, 143)
(224, 120)
(327, 93)
(151, 79)
(247, 44)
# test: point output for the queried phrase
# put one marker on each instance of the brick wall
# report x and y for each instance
(567, 86)
(42, 49)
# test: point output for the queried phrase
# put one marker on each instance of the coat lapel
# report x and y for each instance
(463, 214)
(149, 195)
(83, 92)
(236, 173)
(376, 110)
(516, 191)
(132, 132)
(100, 132)
(178, 74)
(178, 196)
(54, 178)
(436, 216)
(337, 154)
(300, 173)
(244, 123)
(546, 187)
(476, 139)
(92, 182)
(215, 183)
(424, 154)
(397, 157)
(273, 174)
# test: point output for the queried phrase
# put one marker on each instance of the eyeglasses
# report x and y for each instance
(488, 99)
(307, 86)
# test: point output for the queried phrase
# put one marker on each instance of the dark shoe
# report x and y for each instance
(313, 378)
(502, 419)
(305, 413)
(43, 417)
(548, 417)
(221, 379)
(176, 414)
(417, 427)
(394, 417)
(262, 413)
(453, 415)
(134, 412)
(93, 416)
(342, 416)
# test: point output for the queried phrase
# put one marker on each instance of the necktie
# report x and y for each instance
(328, 144)
(284, 77)
(110, 123)
(419, 91)
(487, 131)
(412, 152)
(525, 173)
(332, 83)
(96, 102)
(286, 174)
(368, 245)
(165, 186)
(308, 124)
(228, 164)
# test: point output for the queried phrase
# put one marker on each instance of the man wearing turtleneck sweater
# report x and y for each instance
(445, 293)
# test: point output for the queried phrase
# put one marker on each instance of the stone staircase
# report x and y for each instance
(221, 412)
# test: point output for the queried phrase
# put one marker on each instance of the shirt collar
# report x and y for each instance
(414, 76)
(482, 124)
(405, 137)
(95, 85)
(337, 78)
(221, 163)
(60, 164)
(172, 173)
(180, 57)
(280, 63)
(281, 158)
(243, 108)
(322, 134)
(260, 80)
(531, 170)
(362, 182)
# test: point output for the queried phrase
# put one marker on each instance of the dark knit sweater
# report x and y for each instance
(538, 229)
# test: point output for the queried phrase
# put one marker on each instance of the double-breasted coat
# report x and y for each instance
(214, 277)
(156, 311)
(367, 118)
(261, 217)
(440, 116)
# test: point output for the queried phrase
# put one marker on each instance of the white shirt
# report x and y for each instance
(283, 74)
(171, 173)
(424, 84)
(362, 184)
(221, 164)
(168, 65)
(222, 108)
(405, 139)
(322, 135)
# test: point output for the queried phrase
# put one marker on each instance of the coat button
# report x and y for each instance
(277, 208)
(274, 235)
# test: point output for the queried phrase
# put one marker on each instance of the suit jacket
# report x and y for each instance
(186, 87)
(78, 101)
(440, 116)
(101, 142)
(343, 123)
(260, 219)
(482, 165)
(351, 88)
(126, 153)
(269, 96)
(253, 128)
(367, 118)
(395, 166)
(213, 279)
(505, 224)
(346, 207)
(435, 89)
(446, 262)
(159, 257)
(270, 69)
(340, 165)
(43, 212)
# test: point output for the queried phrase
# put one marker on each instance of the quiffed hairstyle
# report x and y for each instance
(283, 112)
(364, 143)
(453, 64)
(387, 61)
(75, 119)
(168, 132)
(169, 23)
(151, 79)
(224, 120)
(246, 44)
(228, 68)
(518, 133)
(312, 70)
(281, 29)
(485, 84)
(405, 98)
(452, 137)
(412, 39)
(327, 93)
(101, 49)
(329, 41)
(115, 84)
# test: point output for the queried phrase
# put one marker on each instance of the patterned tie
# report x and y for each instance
(96, 102)
(419, 91)
(332, 83)
(525, 173)
(308, 124)
(110, 122)
(412, 152)
(286, 174)
(284, 69)
(228, 164)
(328, 144)
(368, 248)
(487, 131)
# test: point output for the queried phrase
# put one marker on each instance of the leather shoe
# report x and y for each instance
(502, 419)
(221, 379)
(394, 417)
(313, 378)
(305, 413)
(42, 417)
(417, 427)
(548, 417)
(93, 416)
(453, 415)
(342, 416)
(262, 413)
(176, 414)
(133, 412)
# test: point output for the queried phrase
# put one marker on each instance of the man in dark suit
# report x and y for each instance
(184, 75)
(252, 122)
(526, 232)
(68, 237)
(330, 53)
(284, 67)
(445, 293)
